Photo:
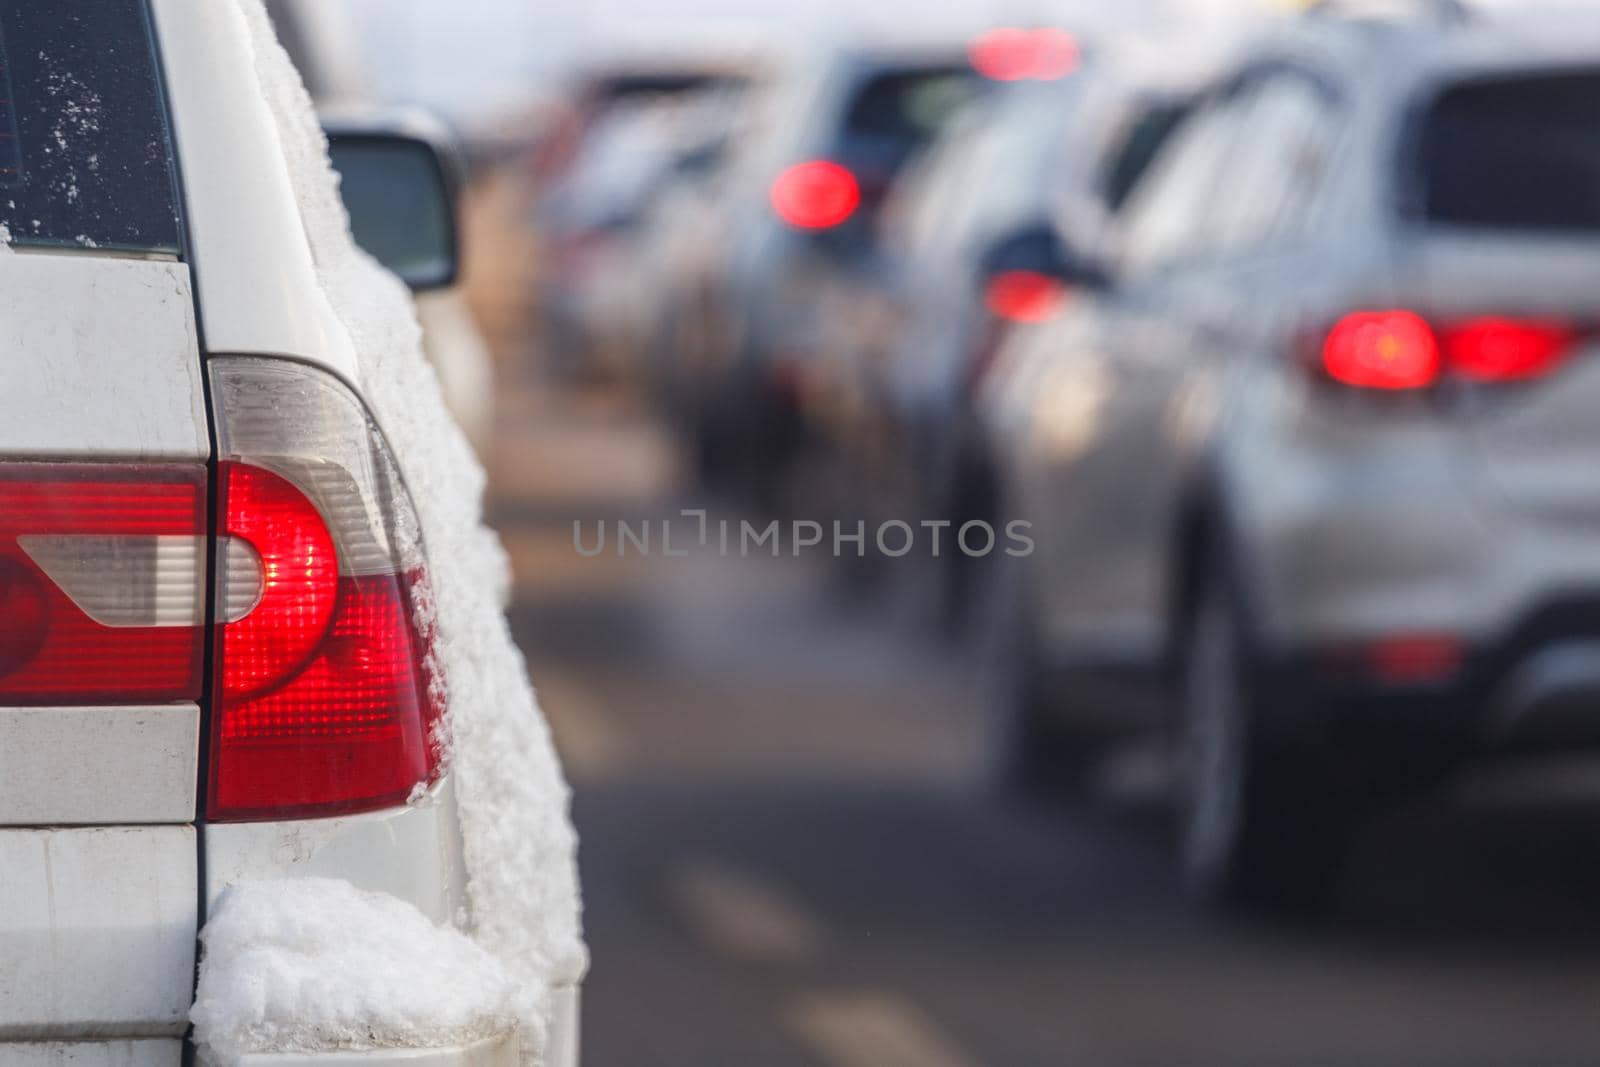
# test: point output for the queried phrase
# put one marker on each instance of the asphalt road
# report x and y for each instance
(790, 857)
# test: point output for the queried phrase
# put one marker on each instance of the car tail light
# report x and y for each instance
(1382, 350)
(1024, 296)
(1400, 350)
(816, 195)
(1416, 658)
(1011, 54)
(322, 695)
(1503, 349)
(101, 583)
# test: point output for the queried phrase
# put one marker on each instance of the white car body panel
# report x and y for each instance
(413, 853)
(97, 1054)
(490, 1052)
(98, 932)
(88, 766)
(118, 378)
(238, 196)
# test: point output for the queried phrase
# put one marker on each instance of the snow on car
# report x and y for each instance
(323, 761)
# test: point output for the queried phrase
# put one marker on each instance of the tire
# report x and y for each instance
(1032, 754)
(1259, 826)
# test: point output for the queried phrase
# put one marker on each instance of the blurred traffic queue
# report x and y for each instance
(1281, 336)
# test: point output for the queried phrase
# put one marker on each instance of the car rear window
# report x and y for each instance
(1515, 153)
(85, 155)
(895, 112)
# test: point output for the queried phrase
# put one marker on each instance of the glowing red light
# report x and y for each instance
(1413, 658)
(1010, 54)
(1502, 349)
(299, 579)
(1055, 54)
(1382, 350)
(1024, 296)
(52, 651)
(815, 195)
(323, 705)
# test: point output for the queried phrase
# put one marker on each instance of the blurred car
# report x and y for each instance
(628, 137)
(967, 253)
(211, 639)
(320, 41)
(824, 145)
(1320, 449)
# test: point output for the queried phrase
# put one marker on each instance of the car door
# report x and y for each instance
(103, 545)
(1103, 487)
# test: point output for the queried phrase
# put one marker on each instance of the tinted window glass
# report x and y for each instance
(1169, 211)
(1129, 160)
(893, 114)
(85, 158)
(1276, 170)
(1515, 153)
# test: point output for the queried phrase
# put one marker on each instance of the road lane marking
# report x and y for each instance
(592, 748)
(871, 1029)
(743, 917)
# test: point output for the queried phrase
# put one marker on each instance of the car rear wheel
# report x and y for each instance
(1033, 751)
(1257, 825)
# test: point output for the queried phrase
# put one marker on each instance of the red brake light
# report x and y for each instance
(1402, 350)
(1502, 349)
(295, 581)
(1382, 350)
(322, 697)
(816, 195)
(1412, 658)
(1024, 296)
(100, 583)
(1011, 54)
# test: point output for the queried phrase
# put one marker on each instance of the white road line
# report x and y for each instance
(591, 746)
(870, 1029)
(742, 917)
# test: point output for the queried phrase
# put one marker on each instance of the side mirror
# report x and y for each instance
(399, 188)
(1039, 249)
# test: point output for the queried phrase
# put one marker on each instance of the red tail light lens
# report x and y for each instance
(1024, 296)
(1382, 350)
(816, 195)
(322, 698)
(1401, 350)
(1010, 54)
(295, 579)
(1504, 350)
(100, 583)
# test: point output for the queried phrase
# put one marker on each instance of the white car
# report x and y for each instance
(243, 704)
(1321, 440)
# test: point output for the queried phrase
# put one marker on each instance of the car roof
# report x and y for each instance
(1444, 40)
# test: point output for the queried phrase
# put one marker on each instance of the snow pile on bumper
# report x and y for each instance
(314, 964)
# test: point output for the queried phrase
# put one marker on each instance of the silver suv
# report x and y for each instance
(1324, 451)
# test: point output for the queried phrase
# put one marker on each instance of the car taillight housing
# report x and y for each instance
(1024, 296)
(101, 582)
(322, 694)
(1400, 350)
(816, 195)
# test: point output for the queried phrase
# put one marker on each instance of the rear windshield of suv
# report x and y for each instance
(85, 156)
(1515, 153)
(895, 112)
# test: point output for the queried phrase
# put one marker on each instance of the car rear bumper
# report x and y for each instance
(490, 1052)
(1533, 688)
(497, 1051)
